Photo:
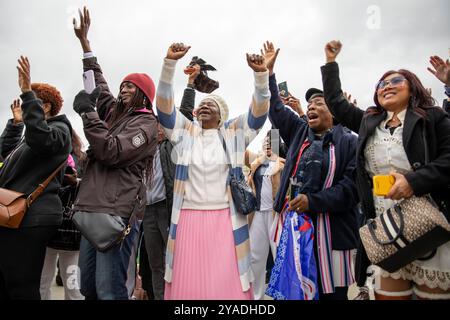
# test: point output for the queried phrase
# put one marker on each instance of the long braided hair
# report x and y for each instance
(120, 110)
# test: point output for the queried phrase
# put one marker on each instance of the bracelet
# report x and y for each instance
(191, 85)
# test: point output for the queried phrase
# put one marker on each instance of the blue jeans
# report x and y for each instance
(104, 274)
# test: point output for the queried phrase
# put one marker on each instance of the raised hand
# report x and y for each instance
(441, 69)
(24, 74)
(270, 55)
(193, 72)
(85, 102)
(256, 62)
(16, 111)
(82, 31)
(332, 50)
(177, 51)
(348, 97)
(294, 103)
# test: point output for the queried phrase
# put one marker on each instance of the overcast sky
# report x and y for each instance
(133, 36)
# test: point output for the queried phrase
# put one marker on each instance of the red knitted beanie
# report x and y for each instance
(143, 82)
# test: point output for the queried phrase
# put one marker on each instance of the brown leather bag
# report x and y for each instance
(13, 204)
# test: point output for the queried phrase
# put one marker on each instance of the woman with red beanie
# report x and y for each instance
(122, 137)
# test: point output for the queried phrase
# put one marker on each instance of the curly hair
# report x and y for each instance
(48, 94)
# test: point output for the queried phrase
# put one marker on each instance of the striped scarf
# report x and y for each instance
(324, 248)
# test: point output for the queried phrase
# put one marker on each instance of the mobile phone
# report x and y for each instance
(382, 184)
(283, 89)
(89, 81)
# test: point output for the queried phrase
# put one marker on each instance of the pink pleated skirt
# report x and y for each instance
(205, 262)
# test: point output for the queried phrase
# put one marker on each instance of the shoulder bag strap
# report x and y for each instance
(224, 145)
(36, 193)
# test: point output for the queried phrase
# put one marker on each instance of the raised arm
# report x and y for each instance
(295, 105)
(281, 117)
(106, 99)
(441, 70)
(346, 113)
(249, 123)
(260, 101)
(188, 101)
(12, 134)
(170, 118)
(40, 137)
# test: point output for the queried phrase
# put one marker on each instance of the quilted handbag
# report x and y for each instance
(242, 194)
(410, 230)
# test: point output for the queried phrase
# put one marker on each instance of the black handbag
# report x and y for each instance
(104, 231)
(67, 237)
(243, 197)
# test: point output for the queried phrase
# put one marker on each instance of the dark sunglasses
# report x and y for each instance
(394, 82)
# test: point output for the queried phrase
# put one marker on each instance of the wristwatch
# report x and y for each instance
(191, 86)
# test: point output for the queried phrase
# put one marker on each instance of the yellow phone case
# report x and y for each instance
(382, 184)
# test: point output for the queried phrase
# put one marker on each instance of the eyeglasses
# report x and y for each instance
(394, 82)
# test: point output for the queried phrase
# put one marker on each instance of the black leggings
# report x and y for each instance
(22, 254)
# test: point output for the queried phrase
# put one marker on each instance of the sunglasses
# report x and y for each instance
(394, 82)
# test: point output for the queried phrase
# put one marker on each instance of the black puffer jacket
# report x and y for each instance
(31, 160)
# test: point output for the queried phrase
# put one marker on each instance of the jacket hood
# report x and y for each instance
(61, 118)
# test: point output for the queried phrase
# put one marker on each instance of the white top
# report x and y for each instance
(208, 172)
(385, 153)
(266, 188)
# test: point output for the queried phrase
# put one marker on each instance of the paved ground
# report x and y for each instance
(58, 292)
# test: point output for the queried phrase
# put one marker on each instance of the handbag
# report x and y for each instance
(68, 236)
(104, 231)
(14, 205)
(243, 197)
(404, 233)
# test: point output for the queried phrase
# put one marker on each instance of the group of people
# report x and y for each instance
(171, 168)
